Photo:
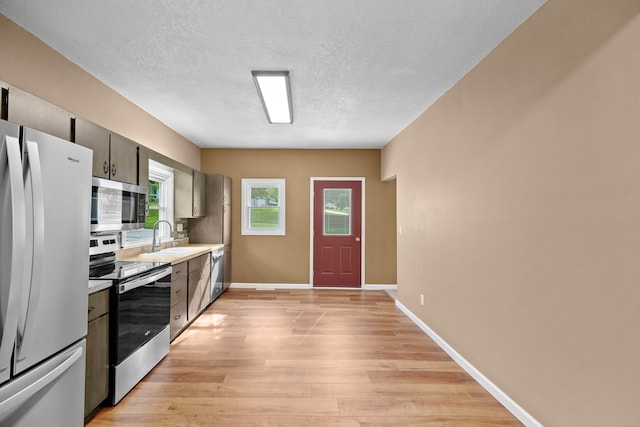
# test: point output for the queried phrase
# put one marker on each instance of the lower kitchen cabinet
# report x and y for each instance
(179, 277)
(97, 362)
(190, 292)
(205, 278)
(199, 284)
(226, 275)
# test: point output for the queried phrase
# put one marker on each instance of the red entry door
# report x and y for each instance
(337, 233)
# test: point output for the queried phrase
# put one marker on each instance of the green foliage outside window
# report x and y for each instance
(154, 204)
(264, 217)
(270, 194)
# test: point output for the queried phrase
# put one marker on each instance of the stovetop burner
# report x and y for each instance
(103, 264)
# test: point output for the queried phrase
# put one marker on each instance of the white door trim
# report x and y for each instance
(362, 246)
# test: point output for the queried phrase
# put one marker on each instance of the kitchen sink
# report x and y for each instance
(177, 251)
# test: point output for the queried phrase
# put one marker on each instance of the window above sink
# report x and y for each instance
(160, 207)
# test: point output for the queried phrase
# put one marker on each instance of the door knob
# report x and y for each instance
(357, 239)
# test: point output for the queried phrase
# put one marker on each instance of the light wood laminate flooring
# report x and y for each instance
(305, 358)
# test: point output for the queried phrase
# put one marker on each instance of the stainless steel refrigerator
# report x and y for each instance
(215, 227)
(45, 193)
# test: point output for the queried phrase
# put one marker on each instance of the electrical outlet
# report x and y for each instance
(422, 300)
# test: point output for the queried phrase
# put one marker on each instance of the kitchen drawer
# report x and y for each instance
(98, 304)
(206, 261)
(179, 270)
(178, 290)
(178, 318)
(206, 271)
(195, 264)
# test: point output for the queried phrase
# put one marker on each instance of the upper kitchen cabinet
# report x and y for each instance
(215, 226)
(143, 165)
(183, 188)
(124, 159)
(190, 194)
(25, 109)
(114, 156)
(199, 194)
(96, 138)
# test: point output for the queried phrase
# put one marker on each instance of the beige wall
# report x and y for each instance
(285, 259)
(519, 197)
(34, 67)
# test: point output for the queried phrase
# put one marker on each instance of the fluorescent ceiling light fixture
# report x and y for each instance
(275, 94)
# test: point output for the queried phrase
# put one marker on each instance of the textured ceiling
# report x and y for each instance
(361, 70)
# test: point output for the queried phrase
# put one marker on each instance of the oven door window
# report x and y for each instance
(142, 313)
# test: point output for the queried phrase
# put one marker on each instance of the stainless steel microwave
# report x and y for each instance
(117, 206)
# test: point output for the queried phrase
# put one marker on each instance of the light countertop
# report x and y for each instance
(98, 285)
(136, 254)
(173, 259)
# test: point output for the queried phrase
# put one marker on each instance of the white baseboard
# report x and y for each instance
(379, 287)
(500, 396)
(272, 286)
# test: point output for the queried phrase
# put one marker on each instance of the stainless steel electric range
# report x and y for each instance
(140, 307)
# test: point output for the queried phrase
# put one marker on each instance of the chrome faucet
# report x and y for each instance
(154, 245)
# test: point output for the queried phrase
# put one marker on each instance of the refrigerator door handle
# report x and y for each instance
(18, 249)
(30, 305)
(17, 394)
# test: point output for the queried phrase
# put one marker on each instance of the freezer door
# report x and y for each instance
(52, 394)
(53, 308)
(12, 241)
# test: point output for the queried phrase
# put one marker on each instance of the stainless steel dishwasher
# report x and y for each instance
(217, 262)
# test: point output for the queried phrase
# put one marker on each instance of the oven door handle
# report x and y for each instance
(145, 280)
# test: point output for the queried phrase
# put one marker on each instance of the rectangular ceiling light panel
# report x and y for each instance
(275, 93)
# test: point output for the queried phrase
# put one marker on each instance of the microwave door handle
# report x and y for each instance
(30, 304)
(11, 151)
(136, 283)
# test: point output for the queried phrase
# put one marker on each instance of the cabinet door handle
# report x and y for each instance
(93, 307)
(106, 167)
(195, 210)
(178, 291)
(177, 317)
(113, 169)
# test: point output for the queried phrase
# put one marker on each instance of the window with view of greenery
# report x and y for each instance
(154, 204)
(263, 206)
(337, 211)
(160, 204)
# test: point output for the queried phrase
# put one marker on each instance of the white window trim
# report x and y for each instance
(247, 184)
